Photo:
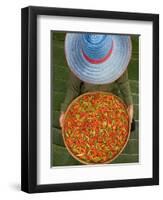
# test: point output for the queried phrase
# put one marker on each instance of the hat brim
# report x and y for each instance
(102, 73)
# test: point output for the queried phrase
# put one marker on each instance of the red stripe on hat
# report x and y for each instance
(100, 60)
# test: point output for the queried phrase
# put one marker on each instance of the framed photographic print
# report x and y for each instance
(90, 99)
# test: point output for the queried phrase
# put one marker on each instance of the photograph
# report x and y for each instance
(94, 98)
(90, 99)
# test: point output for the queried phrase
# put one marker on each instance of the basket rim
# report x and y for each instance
(63, 132)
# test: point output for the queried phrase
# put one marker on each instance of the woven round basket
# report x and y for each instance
(63, 128)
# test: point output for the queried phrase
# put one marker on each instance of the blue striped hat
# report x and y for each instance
(97, 58)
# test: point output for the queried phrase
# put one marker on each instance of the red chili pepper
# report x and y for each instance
(97, 124)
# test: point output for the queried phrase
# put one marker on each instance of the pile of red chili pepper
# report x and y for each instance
(96, 127)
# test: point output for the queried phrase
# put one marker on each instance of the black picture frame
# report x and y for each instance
(29, 99)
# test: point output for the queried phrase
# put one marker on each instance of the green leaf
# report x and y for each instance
(57, 137)
(55, 119)
(61, 157)
(126, 158)
(58, 98)
(132, 147)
